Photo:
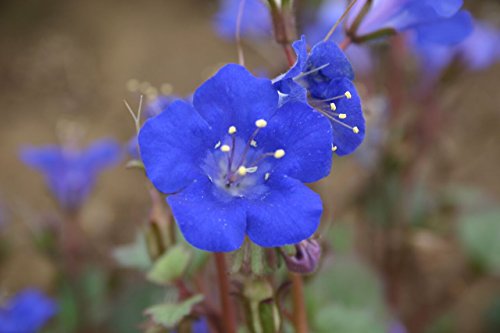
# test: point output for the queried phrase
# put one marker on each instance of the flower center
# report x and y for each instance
(237, 165)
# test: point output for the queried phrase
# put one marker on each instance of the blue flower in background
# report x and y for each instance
(478, 51)
(433, 21)
(255, 21)
(235, 161)
(71, 173)
(27, 312)
(323, 78)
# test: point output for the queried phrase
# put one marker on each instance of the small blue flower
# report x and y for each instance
(427, 18)
(323, 78)
(255, 21)
(235, 161)
(27, 312)
(71, 173)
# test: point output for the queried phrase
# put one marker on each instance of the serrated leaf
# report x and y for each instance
(170, 265)
(170, 314)
(134, 255)
(480, 236)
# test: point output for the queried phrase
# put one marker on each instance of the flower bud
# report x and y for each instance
(306, 258)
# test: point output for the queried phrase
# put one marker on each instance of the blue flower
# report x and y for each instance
(255, 21)
(323, 78)
(428, 18)
(71, 173)
(235, 161)
(478, 51)
(27, 312)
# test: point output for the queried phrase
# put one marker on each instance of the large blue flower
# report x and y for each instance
(323, 78)
(27, 312)
(71, 173)
(426, 17)
(255, 20)
(235, 161)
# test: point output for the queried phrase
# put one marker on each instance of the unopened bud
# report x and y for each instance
(306, 258)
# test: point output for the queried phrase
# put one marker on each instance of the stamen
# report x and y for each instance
(225, 148)
(348, 94)
(232, 130)
(342, 115)
(334, 148)
(217, 145)
(317, 69)
(266, 176)
(279, 153)
(253, 143)
(355, 129)
(242, 170)
(333, 106)
(261, 123)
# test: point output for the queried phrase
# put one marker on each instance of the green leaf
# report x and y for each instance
(134, 255)
(170, 265)
(170, 314)
(480, 236)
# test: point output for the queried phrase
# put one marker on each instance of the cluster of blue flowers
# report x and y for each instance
(26, 312)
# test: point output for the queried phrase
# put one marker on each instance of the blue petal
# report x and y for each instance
(306, 137)
(234, 97)
(43, 159)
(209, 219)
(101, 154)
(330, 55)
(447, 31)
(173, 145)
(300, 48)
(419, 13)
(287, 214)
(344, 138)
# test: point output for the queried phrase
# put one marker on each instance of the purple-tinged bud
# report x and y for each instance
(306, 258)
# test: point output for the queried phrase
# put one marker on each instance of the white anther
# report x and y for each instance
(232, 130)
(242, 171)
(267, 175)
(217, 145)
(348, 94)
(253, 143)
(334, 148)
(342, 115)
(333, 106)
(252, 169)
(225, 148)
(261, 123)
(279, 153)
(355, 129)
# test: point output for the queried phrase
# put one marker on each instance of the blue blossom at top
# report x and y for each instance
(27, 312)
(428, 18)
(71, 173)
(235, 161)
(323, 78)
(255, 20)
(478, 51)
(327, 14)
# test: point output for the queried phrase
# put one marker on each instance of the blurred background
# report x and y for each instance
(417, 246)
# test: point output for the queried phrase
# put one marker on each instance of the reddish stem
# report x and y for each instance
(299, 306)
(228, 314)
(345, 43)
(290, 56)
